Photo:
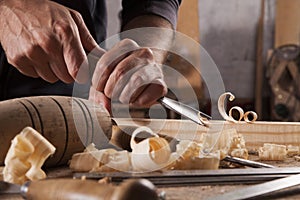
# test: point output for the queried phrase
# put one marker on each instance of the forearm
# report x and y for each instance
(160, 39)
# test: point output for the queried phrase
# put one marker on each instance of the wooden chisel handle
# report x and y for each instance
(71, 189)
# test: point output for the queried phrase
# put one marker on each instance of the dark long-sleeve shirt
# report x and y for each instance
(13, 84)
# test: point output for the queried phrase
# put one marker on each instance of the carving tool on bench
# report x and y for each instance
(248, 163)
(199, 177)
(72, 189)
(260, 189)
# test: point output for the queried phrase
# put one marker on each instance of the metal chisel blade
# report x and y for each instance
(260, 189)
(199, 177)
(184, 110)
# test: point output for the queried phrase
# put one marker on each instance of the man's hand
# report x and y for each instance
(128, 73)
(44, 39)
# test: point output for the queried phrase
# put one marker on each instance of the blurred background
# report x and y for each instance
(255, 45)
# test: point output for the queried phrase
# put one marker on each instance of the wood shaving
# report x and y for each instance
(150, 154)
(228, 143)
(25, 157)
(105, 180)
(272, 152)
(230, 118)
(204, 120)
(292, 150)
(240, 111)
(188, 156)
(221, 106)
(297, 158)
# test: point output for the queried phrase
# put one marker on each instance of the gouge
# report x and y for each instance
(185, 110)
(257, 191)
(131, 189)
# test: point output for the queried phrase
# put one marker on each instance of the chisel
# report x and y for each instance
(185, 110)
(260, 189)
(72, 189)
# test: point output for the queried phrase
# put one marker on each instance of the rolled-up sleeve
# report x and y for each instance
(164, 8)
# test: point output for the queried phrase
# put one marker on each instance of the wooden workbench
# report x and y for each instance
(186, 192)
(255, 135)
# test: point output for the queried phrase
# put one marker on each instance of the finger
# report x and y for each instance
(148, 75)
(59, 68)
(99, 98)
(86, 38)
(151, 94)
(109, 60)
(39, 60)
(52, 49)
(137, 93)
(28, 71)
(23, 65)
(46, 73)
(73, 52)
(57, 62)
(122, 73)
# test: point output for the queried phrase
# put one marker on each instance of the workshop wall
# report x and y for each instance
(228, 33)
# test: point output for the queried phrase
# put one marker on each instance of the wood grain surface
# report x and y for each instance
(255, 134)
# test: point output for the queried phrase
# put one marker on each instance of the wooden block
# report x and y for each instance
(255, 134)
(287, 25)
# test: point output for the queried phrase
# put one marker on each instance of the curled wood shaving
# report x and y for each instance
(151, 153)
(204, 120)
(147, 155)
(254, 116)
(221, 106)
(241, 113)
(25, 157)
(230, 118)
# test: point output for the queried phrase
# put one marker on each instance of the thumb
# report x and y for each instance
(99, 98)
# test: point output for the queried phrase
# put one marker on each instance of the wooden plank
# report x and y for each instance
(287, 25)
(255, 134)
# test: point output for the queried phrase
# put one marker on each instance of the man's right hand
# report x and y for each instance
(44, 39)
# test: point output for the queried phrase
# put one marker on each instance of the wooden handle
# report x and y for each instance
(68, 123)
(68, 189)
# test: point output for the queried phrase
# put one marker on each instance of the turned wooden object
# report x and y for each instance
(68, 123)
